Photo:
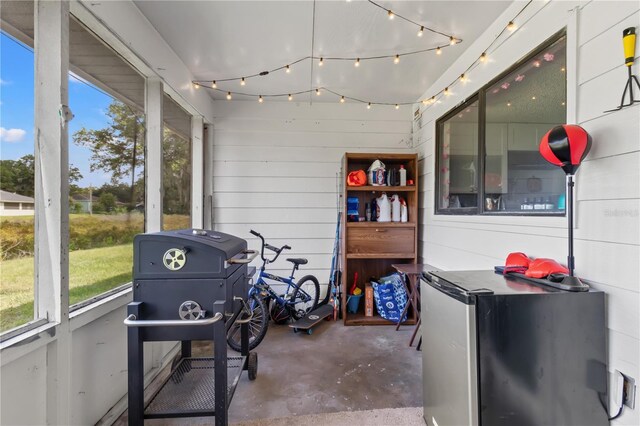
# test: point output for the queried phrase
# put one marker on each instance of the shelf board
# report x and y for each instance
(370, 188)
(381, 224)
(381, 255)
(360, 319)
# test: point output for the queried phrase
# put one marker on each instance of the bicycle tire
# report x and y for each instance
(257, 326)
(311, 286)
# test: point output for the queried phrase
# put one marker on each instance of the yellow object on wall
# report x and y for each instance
(629, 44)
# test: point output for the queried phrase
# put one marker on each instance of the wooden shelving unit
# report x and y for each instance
(370, 248)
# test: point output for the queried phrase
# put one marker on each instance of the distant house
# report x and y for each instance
(16, 205)
(85, 201)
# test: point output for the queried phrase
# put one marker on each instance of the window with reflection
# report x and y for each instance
(520, 109)
(487, 149)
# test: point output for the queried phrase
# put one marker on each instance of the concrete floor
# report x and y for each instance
(335, 369)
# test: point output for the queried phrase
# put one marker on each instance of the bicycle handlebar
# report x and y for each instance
(269, 247)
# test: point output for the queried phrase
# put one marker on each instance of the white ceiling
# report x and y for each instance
(223, 39)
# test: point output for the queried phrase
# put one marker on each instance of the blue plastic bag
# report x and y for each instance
(390, 297)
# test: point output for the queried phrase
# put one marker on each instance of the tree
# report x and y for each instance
(119, 148)
(18, 176)
(176, 174)
(107, 201)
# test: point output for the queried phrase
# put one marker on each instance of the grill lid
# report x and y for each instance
(187, 253)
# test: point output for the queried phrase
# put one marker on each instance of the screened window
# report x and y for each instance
(106, 167)
(176, 166)
(488, 157)
(17, 177)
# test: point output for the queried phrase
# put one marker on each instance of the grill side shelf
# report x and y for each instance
(189, 391)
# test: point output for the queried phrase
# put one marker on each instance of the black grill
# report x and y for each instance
(187, 285)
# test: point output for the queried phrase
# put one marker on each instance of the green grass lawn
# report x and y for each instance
(91, 272)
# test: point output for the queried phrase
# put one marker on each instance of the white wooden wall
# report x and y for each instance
(607, 235)
(275, 166)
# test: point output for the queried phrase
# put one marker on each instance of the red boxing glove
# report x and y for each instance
(541, 268)
(517, 262)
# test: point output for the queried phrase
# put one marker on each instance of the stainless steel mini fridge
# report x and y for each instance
(499, 350)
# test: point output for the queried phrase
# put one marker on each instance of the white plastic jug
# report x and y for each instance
(404, 213)
(383, 208)
(395, 208)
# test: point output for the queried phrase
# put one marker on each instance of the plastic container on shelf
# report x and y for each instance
(395, 208)
(403, 176)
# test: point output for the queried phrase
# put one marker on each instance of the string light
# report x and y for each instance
(511, 26)
(536, 64)
(421, 31)
(357, 62)
(242, 82)
(288, 70)
(390, 14)
(396, 60)
(321, 63)
(212, 84)
(196, 85)
(452, 40)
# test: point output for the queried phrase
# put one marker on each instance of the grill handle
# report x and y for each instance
(131, 321)
(252, 255)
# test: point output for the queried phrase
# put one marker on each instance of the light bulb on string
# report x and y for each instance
(390, 14)
(318, 92)
(438, 51)
(446, 91)
(421, 32)
(321, 62)
(452, 40)
(357, 62)
(290, 98)
(228, 96)
(483, 57)
(397, 106)
(425, 101)
(433, 99)
(511, 26)
(242, 82)
(260, 99)
(342, 99)
(196, 85)
(288, 69)
(396, 60)
(214, 85)
(369, 105)
(463, 78)
(509, 103)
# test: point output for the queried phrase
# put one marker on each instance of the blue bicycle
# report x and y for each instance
(299, 298)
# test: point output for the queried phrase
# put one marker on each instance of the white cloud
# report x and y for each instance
(12, 135)
(3, 82)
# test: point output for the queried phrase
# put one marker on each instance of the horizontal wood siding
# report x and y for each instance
(275, 167)
(607, 234)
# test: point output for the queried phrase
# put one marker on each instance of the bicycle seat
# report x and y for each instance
(298, 261)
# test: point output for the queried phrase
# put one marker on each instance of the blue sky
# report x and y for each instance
(16, 109)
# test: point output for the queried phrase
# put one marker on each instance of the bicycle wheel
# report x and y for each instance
(305, 296)
(257, 325)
